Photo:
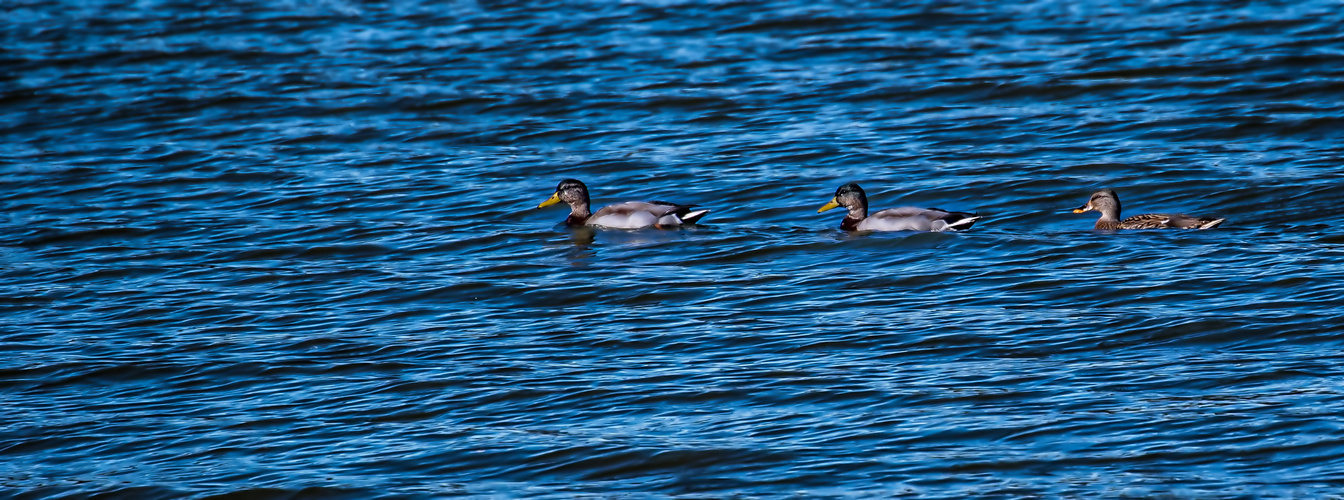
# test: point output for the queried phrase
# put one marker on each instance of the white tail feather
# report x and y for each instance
(963, 222)
(691, 217)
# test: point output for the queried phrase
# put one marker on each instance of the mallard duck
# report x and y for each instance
(1108, 203)
(628, 215)
(851, 197)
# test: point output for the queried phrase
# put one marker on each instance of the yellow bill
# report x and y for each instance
(555, 198)
(828, 206)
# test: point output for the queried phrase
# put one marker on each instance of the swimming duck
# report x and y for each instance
(1108, 203)
(628, 215)
(851, 197)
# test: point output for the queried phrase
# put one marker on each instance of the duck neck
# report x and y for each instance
(1107, 225)
(578, 215)
(1110, 210)
(857, 213)
(1109, 214)
(579, 208)
(1110, 218)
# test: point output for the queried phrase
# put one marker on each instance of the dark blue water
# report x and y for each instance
(288, 250)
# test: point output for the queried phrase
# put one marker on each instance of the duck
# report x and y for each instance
(628, 215)
(1108, 203)
(852, 197)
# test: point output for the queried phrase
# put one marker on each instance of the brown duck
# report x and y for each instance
(1108, 203)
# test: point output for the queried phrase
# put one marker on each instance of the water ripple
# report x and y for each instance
(281, 251)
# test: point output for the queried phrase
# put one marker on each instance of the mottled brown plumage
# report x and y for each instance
(1108, 203)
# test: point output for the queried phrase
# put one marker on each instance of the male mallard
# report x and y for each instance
(628, 215)
(1108, 203)
(851, 197)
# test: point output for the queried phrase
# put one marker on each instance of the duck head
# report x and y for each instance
(572, 192)
(850, 196)
(1104, 201)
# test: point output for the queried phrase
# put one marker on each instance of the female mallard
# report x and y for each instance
(851, 197)
(1108, 203)
(628, 215)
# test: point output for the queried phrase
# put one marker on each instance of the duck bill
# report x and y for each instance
(555, 198)
(1082, 209)
(828, 206)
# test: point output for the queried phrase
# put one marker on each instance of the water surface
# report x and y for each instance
(288, 250)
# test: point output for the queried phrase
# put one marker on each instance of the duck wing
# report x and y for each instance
(917, 219)
(1169, 221)
(1146, 221)
(955, 221)
(1183, 221)
(637, 214)
(680, 214)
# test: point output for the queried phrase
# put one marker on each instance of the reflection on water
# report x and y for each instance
(582, 254)
(582, 237)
